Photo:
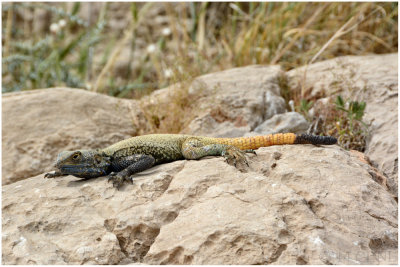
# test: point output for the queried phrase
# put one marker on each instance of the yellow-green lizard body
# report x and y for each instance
(139, 153)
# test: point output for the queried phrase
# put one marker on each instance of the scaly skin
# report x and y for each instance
(137, 154)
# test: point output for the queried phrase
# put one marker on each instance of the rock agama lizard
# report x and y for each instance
(120, 160)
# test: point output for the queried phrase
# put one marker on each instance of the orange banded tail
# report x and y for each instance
(255, 142)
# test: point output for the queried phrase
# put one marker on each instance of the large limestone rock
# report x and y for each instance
(295, 204)
(39, 124)
(229, 103)
(373, 79)
(240, 98)
(291, 122)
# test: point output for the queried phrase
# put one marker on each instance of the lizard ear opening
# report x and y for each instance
(97, 158)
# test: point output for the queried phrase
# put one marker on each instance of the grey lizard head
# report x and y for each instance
(83, 163)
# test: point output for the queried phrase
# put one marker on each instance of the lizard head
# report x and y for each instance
(83, 163)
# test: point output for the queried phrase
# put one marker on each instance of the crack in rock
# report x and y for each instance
(275, 256)
(382, 218)
(135, 240)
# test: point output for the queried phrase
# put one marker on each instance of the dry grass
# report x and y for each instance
(204, 37)
(170, 111)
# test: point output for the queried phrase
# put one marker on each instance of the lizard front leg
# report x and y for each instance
(126, 166)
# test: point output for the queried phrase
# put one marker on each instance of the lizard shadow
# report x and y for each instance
(145, 173)
(79, 182)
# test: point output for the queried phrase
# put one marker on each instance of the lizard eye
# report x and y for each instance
(76, 156)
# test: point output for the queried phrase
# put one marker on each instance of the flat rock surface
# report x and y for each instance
(39, 124)
(322, 207)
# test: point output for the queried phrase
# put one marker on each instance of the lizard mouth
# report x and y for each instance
(82, 171)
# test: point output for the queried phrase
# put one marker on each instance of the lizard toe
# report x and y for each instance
(235, 155)
(117, 181)
(53, 174)
(252, 151)
(111, 177)
(129, 179)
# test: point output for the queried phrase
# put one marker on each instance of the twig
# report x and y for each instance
(342, 31)
(111, 61)
(300, 32)
(10, 14)
(337, 34)
(127, 35)
(202, 26)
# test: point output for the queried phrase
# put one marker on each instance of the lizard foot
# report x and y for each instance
(118, 180)
(50, 175)
(235, 155)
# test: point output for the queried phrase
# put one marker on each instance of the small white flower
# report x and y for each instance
(151, 48)
(62, 23)
(54, 28)
(168, 73)
(166, 31)
(180, 69)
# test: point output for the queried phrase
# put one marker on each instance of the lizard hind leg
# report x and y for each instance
(127, 166)
(195, 149)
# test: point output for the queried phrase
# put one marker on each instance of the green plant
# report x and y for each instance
(351, 130)
(343, 120)
(355, 110)
(304, 107)
(58, 59)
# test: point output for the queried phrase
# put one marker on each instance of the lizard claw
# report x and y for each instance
(250, 151)
(118, 179)
(49, 175)
(235, 155)
(111, 177)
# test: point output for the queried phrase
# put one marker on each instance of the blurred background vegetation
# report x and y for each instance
(130, 49)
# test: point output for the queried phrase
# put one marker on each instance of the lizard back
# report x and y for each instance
(163, 147)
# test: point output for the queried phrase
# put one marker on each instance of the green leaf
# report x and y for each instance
(134, 12)
(339, 102)
(65, 51)
(75, 8)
